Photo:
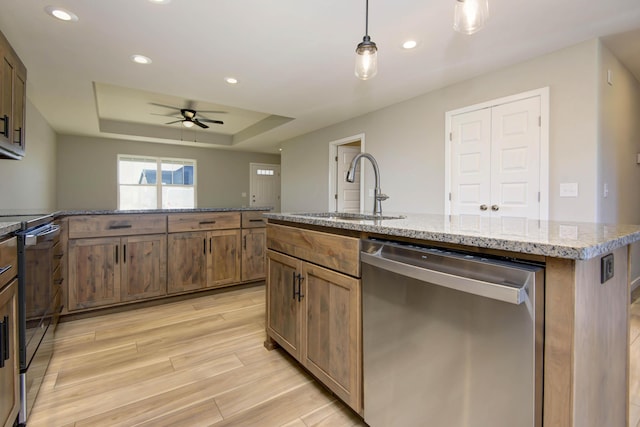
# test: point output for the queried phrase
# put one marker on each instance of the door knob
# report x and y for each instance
(483, 207)
(495, 207)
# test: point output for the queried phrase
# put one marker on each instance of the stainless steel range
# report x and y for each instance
(39, 303)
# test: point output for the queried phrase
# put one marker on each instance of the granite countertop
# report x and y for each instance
(558, 239)
(8, 227)
(155, 211)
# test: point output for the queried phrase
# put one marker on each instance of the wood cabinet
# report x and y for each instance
(313, 311)
(212, 242)
(13, 78)
(111, 269)
(9, 359)
(254, 246)
(120, 258)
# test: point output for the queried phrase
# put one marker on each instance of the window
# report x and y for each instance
(140, 188)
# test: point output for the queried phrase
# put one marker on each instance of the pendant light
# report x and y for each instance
(470, 15)
(366, 54)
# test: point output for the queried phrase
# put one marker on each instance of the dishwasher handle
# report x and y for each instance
(508, 293)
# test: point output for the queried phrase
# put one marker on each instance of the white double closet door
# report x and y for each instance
(495, 162)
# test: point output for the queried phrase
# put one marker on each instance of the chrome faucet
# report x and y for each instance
(378, 197)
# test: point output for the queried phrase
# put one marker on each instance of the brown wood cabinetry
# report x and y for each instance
(9, 362)
(13, 79)
(254, 246)
(109, 269)
(207, 258)
(120, 258)
(313, 311)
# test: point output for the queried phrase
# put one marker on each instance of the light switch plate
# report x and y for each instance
(606, 268)
(569, 189)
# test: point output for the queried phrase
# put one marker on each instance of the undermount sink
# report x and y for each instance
(349, 216)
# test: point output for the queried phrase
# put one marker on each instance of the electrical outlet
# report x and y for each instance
(569, 189)
(606, 268)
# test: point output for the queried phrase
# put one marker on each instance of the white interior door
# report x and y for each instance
(495, 163)
(347, 193)
(265, 185)
(471, 165)
(515, 159)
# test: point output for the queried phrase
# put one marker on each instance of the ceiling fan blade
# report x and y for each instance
(170, 123)
(164, 115)
(199, 123)
(212, 111)
(218, 122)
(164, 106)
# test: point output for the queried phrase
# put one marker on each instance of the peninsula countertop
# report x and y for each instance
(558, 239)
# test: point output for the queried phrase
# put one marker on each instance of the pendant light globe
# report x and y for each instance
(366, 53)
(469, 16)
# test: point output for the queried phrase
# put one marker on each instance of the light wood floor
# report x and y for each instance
(198, 362)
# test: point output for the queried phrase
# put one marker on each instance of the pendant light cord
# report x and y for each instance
(366, 21)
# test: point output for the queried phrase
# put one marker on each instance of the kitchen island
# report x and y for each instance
(586, 322)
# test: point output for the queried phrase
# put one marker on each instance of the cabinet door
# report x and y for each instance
(144, 267)
(283, 308)
(254, 243)
(6, 94)
(94, 272)
(332, 331)
(9, 373)
(223, 263)
(187, 261)
(17, 125)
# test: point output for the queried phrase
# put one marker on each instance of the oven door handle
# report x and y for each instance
(34, 239)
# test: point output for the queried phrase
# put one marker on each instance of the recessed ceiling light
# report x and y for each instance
(409, 44)
(141, 59)
(231, 80)
(61, 14)
(160, 1)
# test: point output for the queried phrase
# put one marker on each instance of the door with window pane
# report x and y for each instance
(265, 185)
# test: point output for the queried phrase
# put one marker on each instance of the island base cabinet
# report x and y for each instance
(314, 314)
(283, 308)
(9, 367)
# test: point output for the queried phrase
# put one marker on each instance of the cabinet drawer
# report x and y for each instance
(203, 221)
(340, 253)
(8, 260)
(253, 219)
(116, 225)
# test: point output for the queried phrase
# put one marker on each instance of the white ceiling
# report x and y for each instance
(294, 59)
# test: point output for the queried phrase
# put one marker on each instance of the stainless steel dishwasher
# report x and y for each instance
(450, 339)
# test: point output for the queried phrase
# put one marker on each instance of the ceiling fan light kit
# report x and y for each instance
(366, 53)
(469, 16)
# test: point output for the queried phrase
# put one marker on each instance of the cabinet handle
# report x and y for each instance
(119, 226)
(293, 284)
(116, 254)
(204, 246)
(207, 222)
(124, 253)
(495, 208)
(19, 141)
(5, 269)
(210, 239)
(483, 207)
(4, 341)
(5, 129)
(256, 220)
(299, 293)
(245, 242)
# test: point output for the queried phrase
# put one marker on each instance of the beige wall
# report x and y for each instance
(619, 142)
(29, 184)
(87, 171)
(408, 138)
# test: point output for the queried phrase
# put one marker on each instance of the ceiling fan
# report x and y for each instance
(188, 116)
